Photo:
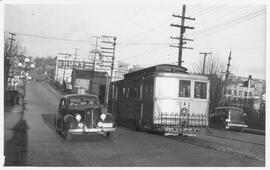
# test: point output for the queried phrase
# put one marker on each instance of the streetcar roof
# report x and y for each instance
(169, 68)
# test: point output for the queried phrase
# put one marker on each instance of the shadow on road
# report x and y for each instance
(15, 149)
(49, 120)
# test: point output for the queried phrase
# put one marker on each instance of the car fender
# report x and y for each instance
(70, 121)
(109, 118)
(69, 118)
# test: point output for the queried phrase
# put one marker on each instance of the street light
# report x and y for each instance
(26, 60)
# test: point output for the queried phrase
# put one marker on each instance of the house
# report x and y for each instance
(245, 91)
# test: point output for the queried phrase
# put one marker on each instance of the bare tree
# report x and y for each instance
(213, 66)
(12, 56)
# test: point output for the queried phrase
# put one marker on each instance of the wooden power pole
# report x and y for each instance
(108, 52)
(76, 50)
(204, 58)
(181, 39)
(94, 63)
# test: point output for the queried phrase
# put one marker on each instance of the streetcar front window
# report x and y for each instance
(200, 90)
(184, 88)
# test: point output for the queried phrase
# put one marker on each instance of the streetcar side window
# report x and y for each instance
(184, 88)
(200, 90)
(127, 93)
(147, 91)
(133, 89)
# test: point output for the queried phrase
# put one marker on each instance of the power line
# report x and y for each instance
(231, 23)
(52, 38)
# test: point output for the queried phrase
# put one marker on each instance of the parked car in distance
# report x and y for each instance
(82, 114)
(228, 118)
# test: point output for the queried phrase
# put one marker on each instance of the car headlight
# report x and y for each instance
(99, 124)
(103, 116)
(80, 125)
(78, 117)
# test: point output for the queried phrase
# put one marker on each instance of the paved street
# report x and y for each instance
(30, 139)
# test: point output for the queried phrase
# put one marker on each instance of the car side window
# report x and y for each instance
(60, 105)
(63, 103)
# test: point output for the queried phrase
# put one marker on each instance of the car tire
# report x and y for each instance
(67, 136)
(108, 135)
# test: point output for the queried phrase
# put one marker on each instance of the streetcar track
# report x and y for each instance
(219, 147)
(239, 140)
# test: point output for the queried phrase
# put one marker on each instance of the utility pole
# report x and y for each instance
(108, 52)
(181, 37)
(76, 49)
(227, 74)
(205, 54)
(94, 63)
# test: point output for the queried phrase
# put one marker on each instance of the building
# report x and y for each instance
(245, 91)
(64, 67)
(87, 81)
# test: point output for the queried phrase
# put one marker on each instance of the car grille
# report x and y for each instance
(90, 121)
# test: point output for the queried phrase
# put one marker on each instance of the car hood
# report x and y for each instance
(82, 108)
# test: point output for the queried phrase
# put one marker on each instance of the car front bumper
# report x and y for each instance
(91, 130)
(237, 125)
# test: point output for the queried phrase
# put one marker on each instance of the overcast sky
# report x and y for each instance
(143, 31)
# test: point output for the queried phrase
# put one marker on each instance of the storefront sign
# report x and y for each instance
(75, 64)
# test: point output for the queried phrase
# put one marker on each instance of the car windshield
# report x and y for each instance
(82, 101)
(236, 114)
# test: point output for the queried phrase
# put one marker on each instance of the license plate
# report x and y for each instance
(107, 125)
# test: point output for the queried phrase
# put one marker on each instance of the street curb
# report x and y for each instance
(55, 90)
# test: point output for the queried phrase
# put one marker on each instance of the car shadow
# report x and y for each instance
(95, 138)
(15, 149)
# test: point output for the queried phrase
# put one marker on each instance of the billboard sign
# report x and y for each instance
(75, 64)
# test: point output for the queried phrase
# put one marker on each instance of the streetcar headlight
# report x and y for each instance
(103, 116)
(78, 117)
(99, 124)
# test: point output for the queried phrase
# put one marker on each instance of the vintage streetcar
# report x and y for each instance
(163, 98)
(228, 118)
(82, 114)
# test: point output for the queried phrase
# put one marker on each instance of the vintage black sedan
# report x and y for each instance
(82, 114)
(228, 118)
